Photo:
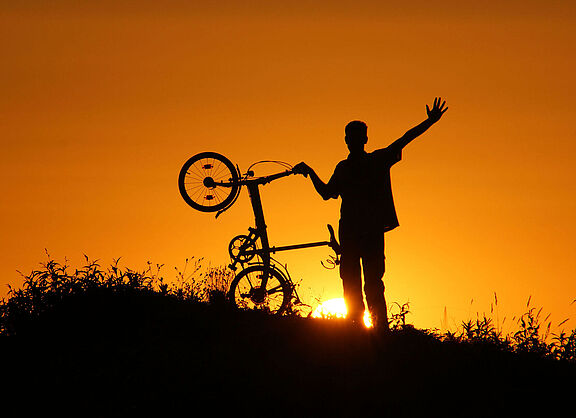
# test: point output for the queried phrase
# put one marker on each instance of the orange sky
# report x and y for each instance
(101, 105)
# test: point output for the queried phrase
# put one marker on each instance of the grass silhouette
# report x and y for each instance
(118, 342)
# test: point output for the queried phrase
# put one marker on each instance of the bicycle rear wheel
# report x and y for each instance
(208, 182)
(246, 290)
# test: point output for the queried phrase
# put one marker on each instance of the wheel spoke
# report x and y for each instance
(198, 169)
(218, 193)
(212, 168)
(274, 289)
(218, 170)
(195, 187)
(249, 282)
(198, 193)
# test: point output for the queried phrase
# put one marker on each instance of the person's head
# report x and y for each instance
(356, 136)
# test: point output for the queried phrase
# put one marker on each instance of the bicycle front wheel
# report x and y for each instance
(246, 290)
(208, 182)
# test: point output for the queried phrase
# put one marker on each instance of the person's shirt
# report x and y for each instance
(363, 182)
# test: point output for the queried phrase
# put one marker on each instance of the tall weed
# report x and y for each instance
(47, 287)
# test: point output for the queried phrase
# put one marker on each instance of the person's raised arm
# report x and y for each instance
(322, 188)
(434, 116)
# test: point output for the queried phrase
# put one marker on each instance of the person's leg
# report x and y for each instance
(373, 268)
(350, 274)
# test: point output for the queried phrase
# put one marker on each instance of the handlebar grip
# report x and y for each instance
(333, 242)
(331, 230)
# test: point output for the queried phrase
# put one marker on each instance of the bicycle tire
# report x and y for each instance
(195, 177)
(243, 291)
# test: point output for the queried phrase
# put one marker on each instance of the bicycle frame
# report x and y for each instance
(261, 231)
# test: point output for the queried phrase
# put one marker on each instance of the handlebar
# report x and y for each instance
(257, 180)
(268, 179)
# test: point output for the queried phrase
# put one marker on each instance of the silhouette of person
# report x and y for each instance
(367, 211)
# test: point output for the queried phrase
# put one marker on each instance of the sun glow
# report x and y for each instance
(336, 308)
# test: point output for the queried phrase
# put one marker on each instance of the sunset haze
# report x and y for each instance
(102, 104)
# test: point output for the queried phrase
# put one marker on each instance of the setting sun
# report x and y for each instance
(336, 308)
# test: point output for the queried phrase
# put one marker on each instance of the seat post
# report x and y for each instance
(262, 233)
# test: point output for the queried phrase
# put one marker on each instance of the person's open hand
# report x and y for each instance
(437, 111)
(301, 168)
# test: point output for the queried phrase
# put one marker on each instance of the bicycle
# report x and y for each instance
(209, 182)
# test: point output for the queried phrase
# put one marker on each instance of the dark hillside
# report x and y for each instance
(142, 353)
(116, 342)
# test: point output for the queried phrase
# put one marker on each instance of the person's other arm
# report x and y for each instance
(434, 116)
(322, 188)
